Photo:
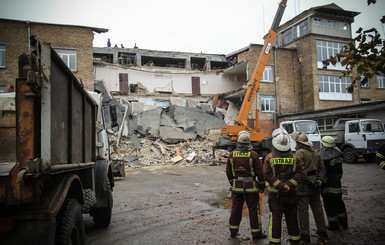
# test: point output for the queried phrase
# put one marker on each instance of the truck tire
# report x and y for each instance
(349, 155)
(102, 216)
(89, 200)
(70, 224)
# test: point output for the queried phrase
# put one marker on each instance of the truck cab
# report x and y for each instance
(362, 138)
(309, 127)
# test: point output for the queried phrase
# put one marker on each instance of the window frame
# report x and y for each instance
(301, 29)
(331, 24)
(333, 87)
(267, 75)
(317, 21)
(267, 103)
(66, 54)
(325, 49)
(380, 81)
(3, 56)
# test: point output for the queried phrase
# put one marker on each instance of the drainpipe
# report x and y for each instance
(29, 34)
(276, 87)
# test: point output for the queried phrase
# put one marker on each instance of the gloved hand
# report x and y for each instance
(262, 188)
(318, 183)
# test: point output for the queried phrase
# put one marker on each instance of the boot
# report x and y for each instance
(259, 236)
(233, 234)
(343, 223)
(333, 226)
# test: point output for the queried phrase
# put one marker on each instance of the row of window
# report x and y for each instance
(68, 56)
(330, 24)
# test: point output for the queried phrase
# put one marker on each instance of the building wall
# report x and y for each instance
(179, 82)
(14, 35)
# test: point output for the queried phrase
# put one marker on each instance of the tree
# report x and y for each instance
(368, 57)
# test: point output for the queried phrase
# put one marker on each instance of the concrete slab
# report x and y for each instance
(149, 122)
(174, 135)
(178, 101)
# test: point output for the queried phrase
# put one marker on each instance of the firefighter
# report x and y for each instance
(380, 156)
(245, 173)
(283, 172)
(332, 191)
(310, 189)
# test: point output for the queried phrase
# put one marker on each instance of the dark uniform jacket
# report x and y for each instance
(332, 158)
(380, 156)
(244, 171)
(279, 170)
(314, 170)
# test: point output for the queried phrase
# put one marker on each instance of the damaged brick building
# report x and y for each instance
(294, 84)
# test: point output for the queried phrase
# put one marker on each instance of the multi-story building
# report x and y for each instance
(296, 86)
(72, 43)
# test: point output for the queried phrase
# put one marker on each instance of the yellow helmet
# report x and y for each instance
(328, 141)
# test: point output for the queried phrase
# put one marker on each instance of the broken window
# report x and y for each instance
(104, 57)
(127, 59)
(198, 63)
(215, 65)
(163, 62)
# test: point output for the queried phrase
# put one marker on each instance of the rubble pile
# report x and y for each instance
(150, 131)
(158, 152)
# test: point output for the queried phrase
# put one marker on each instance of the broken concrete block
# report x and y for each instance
(214, 135)
(205, 107)
(150, 121)
(175, 135)
(231, 114)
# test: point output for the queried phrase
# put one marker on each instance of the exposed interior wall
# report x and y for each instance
(179, 83)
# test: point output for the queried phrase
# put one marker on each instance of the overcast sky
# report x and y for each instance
(208, 26)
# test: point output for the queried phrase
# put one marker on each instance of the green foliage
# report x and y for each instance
(367, 57)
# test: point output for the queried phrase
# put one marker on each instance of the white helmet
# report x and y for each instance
(244, 137)
(281, 140)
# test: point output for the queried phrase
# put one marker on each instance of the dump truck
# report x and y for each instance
(54, 154)
(309, 127)
(357, 137)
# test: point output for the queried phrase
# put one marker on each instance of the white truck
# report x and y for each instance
(357, 138)
(309, 127)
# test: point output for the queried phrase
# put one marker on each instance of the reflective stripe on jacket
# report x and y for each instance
(280, 170)
(243, 169)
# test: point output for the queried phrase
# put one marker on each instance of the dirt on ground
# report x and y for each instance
(188, 204)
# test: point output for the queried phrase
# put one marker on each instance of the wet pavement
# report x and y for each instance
(175, 204)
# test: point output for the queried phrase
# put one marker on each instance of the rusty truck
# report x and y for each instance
(54, 157)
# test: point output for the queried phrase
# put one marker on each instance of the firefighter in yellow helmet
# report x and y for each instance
(283, 172)
(332, 191)
(245, 174)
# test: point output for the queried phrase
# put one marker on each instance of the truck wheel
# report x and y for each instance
(89, 200)
(70, 225)
(102, 216)
(349, 155)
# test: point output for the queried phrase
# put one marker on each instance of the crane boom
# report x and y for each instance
(253, 85)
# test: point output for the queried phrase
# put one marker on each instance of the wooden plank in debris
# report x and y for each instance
(176, 159)
(163, 150)
(177, 151)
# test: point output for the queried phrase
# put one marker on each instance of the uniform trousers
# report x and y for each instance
(335, 210)
(288, 205)
(252, 201)
(314, 201)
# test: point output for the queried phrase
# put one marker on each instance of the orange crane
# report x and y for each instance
(253, 86)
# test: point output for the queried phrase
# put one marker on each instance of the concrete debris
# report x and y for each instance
(150, 131)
